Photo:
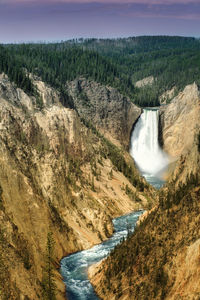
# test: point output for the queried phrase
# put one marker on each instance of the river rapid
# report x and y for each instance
(152, 163)
(75, 266)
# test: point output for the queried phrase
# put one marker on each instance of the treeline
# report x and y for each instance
(133, 45)
(57, 65)
(173, 61)
(13, 68)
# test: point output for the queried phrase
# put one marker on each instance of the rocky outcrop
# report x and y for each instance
(56, 175)
(180, 127)
(167, 96)
(179, 121)
(144, 82)
(108, 110)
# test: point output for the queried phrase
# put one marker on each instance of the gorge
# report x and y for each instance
(74, 268)
(152, 163)
(43, 149)
(66, 169)
(155, 263)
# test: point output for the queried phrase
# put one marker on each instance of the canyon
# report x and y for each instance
(60, 174)
(69, 113)
(161, 259)
(68, 171)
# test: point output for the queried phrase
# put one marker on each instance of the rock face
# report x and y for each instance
(179, 121)
(56, 175)
(167, 96)
(108, 110)
(162, 258)
(144, 82)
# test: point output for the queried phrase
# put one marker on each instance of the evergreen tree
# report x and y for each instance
(120, 63)
(48, 281)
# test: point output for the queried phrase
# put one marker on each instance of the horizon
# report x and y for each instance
(23, 21)
(78, 39)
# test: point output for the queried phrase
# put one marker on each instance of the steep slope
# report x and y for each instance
(161, 259)
(104, 107)
(59, 176)
(169, 59)
(180, 120)
(180, 128)
(115, 62)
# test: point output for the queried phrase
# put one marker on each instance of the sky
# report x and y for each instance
(52, 20)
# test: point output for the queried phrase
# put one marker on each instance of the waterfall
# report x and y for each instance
(150, 159)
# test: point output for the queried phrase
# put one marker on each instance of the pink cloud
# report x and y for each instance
(155, 15)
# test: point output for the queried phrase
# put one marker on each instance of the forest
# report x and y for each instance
(174, 62)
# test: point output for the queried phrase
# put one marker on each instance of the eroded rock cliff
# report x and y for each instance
(161, 260)
(180, 120)
(108, 110)
(59, 176)
(180, 128)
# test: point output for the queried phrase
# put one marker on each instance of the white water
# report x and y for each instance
(151, 160)
(74, 267)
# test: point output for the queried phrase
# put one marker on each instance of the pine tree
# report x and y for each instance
(48, 281)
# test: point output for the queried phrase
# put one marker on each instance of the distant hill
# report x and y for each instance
(119, 63)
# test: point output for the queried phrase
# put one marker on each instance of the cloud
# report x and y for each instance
(173, 11)
(62, 19)
(150, 2)
(136, 8)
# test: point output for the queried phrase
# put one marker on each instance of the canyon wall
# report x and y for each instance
(180, 120)
(161, 259)
(56, 175)
(180, 128)
(112, 113)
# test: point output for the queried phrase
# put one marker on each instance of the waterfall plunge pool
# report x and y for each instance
(74, 267)
(150, 159)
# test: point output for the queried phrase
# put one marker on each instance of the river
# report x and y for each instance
(152, 162)
(74, 267)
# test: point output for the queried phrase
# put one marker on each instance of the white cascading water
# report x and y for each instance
(149, 157)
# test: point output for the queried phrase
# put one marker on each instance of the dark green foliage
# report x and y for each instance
(57, 219)
(1, 199)
(74, 172)
(198, 141)
(11, 66)
(132, 194)
(175, 195)
(147, 254)
(26, 259)
(116, 155)
(22, 248)
(173, 61)
(134, 45)
(2, 264)
(56, 65)
(48, 281)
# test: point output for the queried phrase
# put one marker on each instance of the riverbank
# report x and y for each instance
(74, 268)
